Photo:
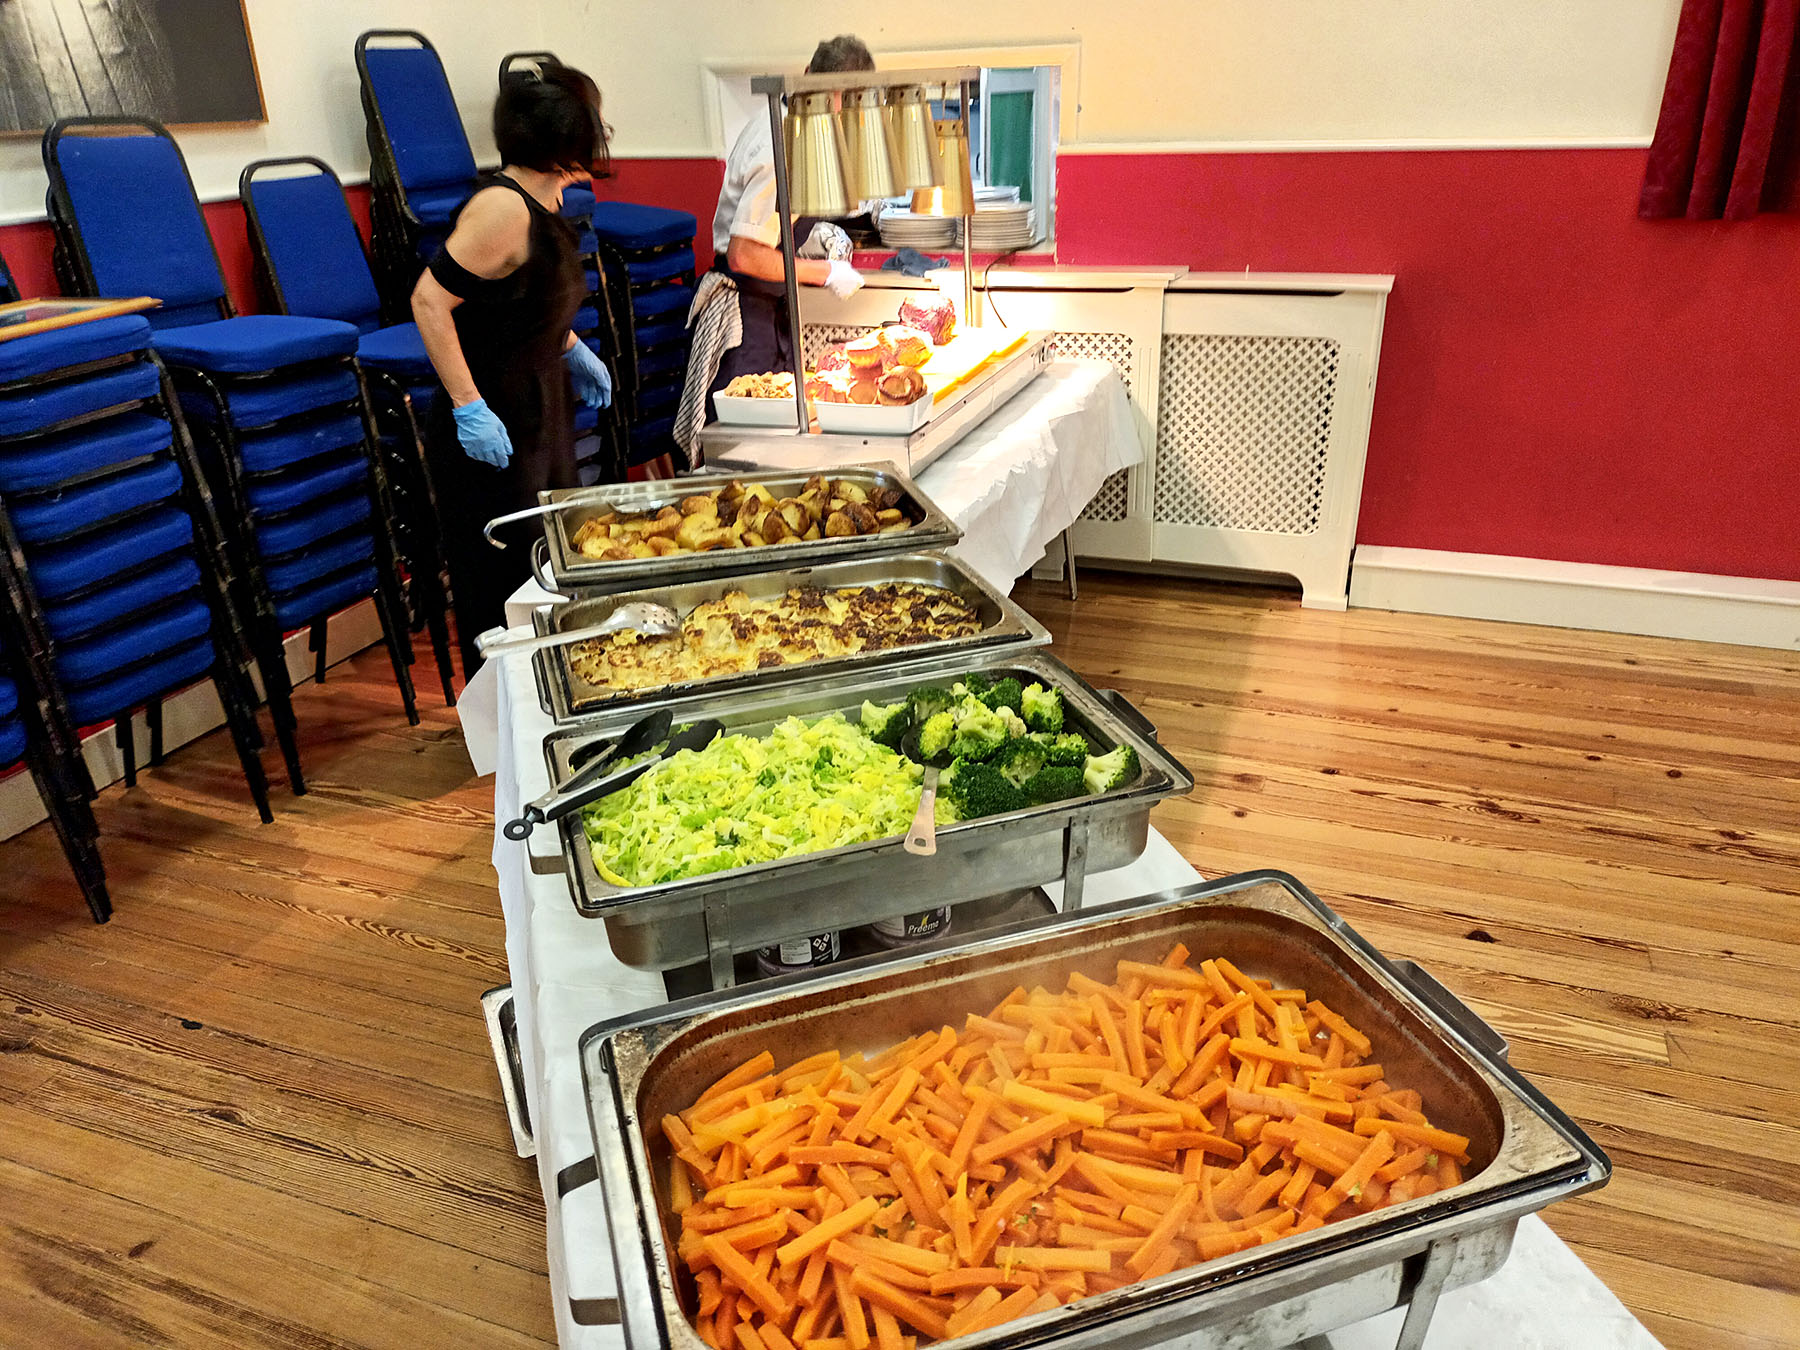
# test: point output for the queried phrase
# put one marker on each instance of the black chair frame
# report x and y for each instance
(267, 639)
(412, 472)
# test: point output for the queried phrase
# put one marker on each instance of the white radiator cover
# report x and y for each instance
(1253, 394)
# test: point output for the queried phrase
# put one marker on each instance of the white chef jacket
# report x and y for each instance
(747, 201)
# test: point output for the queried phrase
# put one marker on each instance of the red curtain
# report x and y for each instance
(1728, 140)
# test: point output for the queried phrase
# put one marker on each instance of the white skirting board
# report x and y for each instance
(192, 714)
(1746, 611)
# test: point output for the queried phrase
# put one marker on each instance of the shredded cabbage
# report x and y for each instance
(745, 800)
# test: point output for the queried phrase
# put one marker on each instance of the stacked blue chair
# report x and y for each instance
(310, 261)
(278, 400)
(646, 256)
(106, 522)
(8, 291)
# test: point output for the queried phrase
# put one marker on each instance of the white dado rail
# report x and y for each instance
(1253, 393)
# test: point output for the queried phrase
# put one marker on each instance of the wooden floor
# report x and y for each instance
(257, 1109)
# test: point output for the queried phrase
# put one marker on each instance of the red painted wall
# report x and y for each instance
(1558, 378)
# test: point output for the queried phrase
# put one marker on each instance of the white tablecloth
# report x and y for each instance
(1018, 480)
(565, 979)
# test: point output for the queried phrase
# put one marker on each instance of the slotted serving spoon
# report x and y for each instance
(647, 617)
(921, 835)
(583, 789)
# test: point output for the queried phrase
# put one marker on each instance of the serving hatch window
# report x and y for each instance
(1014, 119)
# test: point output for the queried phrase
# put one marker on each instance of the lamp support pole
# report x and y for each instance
(789, 258)
(971, 315)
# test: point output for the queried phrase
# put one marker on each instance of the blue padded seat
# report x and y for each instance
(67, 569)
(94, 448)
(140, 223)
(577, 202)
(329, 594)
(423, 125)
(586, 418)
(96, 658)
(398, 350)
(30, 357)
(439, 205)
(300, 529)
(40, 406)
(259, 403)
(314, 249)
(586, 242)
(591, 276)
(252, 343)
(662, 300)
(659, 400)
(660, 268)
(60, 514)
(662, 363)
(98, 702)
(586, 320)
(629, 225)
(294, 442)
(9, 698)
(660, 334)
(69, 619)
(12, 742)
(303, 569)
(271, 497)
(650, 439)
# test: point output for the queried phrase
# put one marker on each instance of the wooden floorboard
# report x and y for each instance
(257, 1109)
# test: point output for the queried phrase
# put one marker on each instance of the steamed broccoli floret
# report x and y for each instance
(979, 790)
(1113, 769)
(887, 725)
(928, 701)
(1055, 783)
(1015, 725)
(936, 734)
(1019, 760)
(979, 730)
(1042, 708)
(974, 683)
(1066, 747)
(1005, 693)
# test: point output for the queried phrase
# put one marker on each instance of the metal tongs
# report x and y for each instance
(592, 780)
(652, 620)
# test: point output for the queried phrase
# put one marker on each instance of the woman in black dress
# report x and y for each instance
(494, 308)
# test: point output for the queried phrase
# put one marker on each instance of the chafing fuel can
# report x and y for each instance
(910, 928)
(801, 953)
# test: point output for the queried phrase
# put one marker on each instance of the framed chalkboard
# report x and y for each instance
(181, 62)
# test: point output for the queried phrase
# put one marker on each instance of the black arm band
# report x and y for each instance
(465, 285)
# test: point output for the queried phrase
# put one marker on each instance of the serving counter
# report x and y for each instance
(565, 979)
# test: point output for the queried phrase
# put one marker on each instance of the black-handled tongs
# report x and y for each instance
(602, 774)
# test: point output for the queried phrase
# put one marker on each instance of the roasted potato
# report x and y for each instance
(813, 531)
(775, 527)
(839, 526)
(889, 517)
(862, 518)
(662, 545)
(795, 513)
(699, 502)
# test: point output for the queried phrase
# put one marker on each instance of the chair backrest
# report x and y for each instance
(308, 250)
(8, 290)
(125, 210)
(408, 98)
(529, 64)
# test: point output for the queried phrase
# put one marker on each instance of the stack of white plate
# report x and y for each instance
(1001, 227)
(905, 229)
(985, 196)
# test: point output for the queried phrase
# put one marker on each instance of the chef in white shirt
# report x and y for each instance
(748, 268)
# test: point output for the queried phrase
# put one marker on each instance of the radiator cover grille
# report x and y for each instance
(1242, 429)
(1110, 502)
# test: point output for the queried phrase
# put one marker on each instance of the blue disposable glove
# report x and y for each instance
(483, 435)
(593, 385)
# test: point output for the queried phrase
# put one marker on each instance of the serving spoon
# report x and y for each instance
(646, 616)
(921, 835)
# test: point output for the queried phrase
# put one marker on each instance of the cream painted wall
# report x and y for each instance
(303, 50)
(1242, 71)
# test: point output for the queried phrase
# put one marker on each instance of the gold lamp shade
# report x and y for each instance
(867, 174)
(955, 193)
(912, 146)
(815, 154)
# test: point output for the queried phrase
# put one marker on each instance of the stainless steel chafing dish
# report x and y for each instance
(705, 918)
(1525, 1153)
(567, 697)
(570, 570)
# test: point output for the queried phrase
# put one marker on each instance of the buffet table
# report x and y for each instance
(1018, 480)
(565, 979)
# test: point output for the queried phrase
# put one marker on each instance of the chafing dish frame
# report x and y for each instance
(575, 573)
(708, 917)
(1526, 1152)
(568, 699)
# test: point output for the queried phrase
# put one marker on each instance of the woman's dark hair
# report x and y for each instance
(549, 120)
(838, 54)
